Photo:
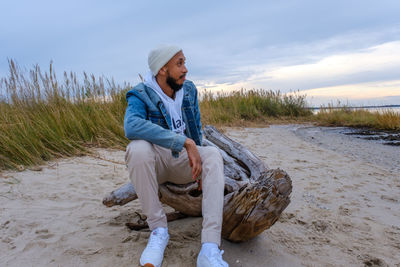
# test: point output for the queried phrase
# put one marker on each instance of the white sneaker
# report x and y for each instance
(212, 258)
(153, 254)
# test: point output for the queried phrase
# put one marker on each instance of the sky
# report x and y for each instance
(347, 51)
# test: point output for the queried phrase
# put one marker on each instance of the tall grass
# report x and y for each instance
(41, 118)
(344, 116)
(252, 105)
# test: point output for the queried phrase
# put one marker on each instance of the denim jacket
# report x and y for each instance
(147, 119)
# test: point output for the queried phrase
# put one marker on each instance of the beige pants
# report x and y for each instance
(150, 165)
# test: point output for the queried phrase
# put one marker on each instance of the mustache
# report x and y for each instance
(182, 76)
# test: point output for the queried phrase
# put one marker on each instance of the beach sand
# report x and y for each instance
(344, 211)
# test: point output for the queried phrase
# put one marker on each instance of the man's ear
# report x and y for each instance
(163, 71)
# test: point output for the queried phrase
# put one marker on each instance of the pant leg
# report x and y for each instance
(141, 160)
(178, 171)
(213, 182)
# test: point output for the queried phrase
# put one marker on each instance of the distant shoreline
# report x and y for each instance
(356, 107)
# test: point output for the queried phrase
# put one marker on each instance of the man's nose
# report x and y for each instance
(185, 70)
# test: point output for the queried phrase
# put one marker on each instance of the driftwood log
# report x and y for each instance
(255, 195)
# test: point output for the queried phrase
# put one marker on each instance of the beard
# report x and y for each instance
(173, 83)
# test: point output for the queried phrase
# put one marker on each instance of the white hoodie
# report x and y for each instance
(173, 106)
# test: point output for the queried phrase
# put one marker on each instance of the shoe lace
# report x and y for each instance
(156, 241)
(216, 258)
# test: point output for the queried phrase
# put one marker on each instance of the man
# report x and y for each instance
(163, 121)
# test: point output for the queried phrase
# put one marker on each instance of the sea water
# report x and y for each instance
(372, 109)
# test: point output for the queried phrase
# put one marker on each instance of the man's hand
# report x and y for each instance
(194, 157)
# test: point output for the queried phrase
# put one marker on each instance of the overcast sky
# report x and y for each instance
(347, 50)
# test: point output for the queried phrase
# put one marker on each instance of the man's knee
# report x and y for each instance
(213, 162)
(212, 155)
(139, 152)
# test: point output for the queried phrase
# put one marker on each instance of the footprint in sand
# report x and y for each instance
(345, 226)
(344, 211)
(393, 236)
(43, 234)
(8, 241)
(369, 260)
(390, 199)
(286, 217)
(321, 226)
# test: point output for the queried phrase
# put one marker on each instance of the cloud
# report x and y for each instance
(364, 73)
(248, 58)
(285, 45)
(374, 61)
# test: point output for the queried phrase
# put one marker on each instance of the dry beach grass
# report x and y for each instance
(385, 120)
(42, 118)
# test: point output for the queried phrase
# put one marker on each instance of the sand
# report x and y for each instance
(345, 208)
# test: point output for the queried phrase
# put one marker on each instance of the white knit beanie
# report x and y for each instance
(160, 56)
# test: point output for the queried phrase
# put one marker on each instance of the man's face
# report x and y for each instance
(176, 71)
